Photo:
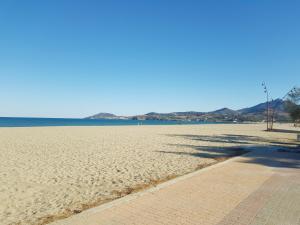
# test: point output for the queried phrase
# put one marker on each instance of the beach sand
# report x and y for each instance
(47, 173)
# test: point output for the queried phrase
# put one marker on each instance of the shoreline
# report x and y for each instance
(137, 125)
(58, 122)
(133, 125)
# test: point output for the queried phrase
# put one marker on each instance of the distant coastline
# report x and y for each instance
(50, 122)
(225, 115)
(251, 114)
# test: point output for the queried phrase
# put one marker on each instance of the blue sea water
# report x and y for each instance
(43, 122)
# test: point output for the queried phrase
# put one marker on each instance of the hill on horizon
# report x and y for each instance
(103, 115)
(254, 113)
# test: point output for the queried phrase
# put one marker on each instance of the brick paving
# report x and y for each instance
(259, 188)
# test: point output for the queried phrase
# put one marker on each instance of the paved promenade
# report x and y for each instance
(259, 188)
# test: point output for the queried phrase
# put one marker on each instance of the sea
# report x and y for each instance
(46, 122)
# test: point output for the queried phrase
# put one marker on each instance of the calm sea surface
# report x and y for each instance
(41, 122)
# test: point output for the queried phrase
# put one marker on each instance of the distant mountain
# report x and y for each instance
(258, 112)
(103, 116)
(278, 104)
(224, 111)
(254, 113)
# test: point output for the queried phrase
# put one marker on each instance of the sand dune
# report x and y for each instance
(51, 172)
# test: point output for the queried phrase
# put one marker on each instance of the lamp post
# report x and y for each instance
(267, 95)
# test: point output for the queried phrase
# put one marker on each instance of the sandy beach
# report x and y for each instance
(47, 173)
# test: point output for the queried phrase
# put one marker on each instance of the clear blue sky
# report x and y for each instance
(76, 58)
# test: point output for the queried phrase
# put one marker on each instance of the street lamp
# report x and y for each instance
(267, 94)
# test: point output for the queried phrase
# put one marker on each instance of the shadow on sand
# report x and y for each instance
(285, 131)
(287, 154)
(233, 139)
